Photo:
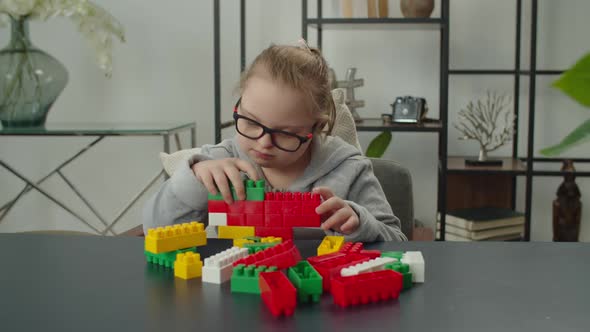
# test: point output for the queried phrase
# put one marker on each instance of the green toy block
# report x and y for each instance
(244, 278)
(393, 254)
(404, 269)
(217, 197)
(166, 259)
(307, 281)
(255, 190)
(256, 247)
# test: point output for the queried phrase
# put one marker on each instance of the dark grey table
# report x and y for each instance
(69, 283)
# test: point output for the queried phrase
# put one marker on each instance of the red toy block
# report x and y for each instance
(254, 207)
(350, 247)
(279, 295)
(236, 219)
(273, 220)
(291, 204)
(286, 233)
(330, 265)
(291, 220)
(217, 207)
(282, 256)
(237, 207)
(366, 287)
(273, 203)
(371, 253)
(310, 220)
(310, 202)
(255, 220)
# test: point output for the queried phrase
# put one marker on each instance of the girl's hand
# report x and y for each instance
(214, 174)
(340, 216)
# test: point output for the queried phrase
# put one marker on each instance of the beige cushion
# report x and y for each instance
(171, 161)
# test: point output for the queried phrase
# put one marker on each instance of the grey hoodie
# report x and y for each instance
(334, 164)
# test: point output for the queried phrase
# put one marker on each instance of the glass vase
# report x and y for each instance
(30, 80)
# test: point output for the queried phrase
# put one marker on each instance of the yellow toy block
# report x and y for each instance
(330, 244)
(271, 239)
(188, 265)
(234, 232)
(240, 242)
(170, 238)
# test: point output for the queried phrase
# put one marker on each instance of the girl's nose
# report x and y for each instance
(265, 141)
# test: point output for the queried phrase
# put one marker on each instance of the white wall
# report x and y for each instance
(165, 73)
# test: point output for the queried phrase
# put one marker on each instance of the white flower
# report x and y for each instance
(95, 23)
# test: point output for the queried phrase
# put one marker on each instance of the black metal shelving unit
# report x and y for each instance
(440, 126)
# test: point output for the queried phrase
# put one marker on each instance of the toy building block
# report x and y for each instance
(292, 203)
(256, 240)
(282, 256)
(371, 253)
(244, 278)
(271, 239)
(330, 244)
(170, 238)
(350, 247)
(309, 203)
(307, 281)
(166, 259)
(330, 265)
(366, 287)
(217, 219)
(254, 219)
(188, 265)
(211, 232)
(234, 232)
(416, 262)
(277, 292)
(404, 269)
(218, 268)
(286, 233)
(273, 220)
(254, 207)
(240, 242)
(259, 246)
(255, 190)
(376, 264)
(236, 219)
(393, 254)
(216, 206)
(273, 203)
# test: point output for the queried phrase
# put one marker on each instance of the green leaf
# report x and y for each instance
(379, 144)
(575, 82)
(579, 135)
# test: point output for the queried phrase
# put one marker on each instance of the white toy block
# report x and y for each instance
(416, 262)
(372, 265)
(211, 232)
(218, 268)
(218, 219)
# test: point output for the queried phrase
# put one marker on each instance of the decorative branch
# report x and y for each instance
(490, 122)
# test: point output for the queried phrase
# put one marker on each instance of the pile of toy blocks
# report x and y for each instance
(274, 269)
(262, 214)
(176, 247)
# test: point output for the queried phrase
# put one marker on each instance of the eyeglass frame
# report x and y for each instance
(267, 130)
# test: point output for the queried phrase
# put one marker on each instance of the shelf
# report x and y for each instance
(379, 23)
(510, 165)
(376, 124)
(502, 72)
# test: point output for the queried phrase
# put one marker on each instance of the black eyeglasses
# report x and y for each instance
(252, 129)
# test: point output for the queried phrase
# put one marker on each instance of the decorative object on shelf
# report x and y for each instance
(567, 208)
(491, 123)
(30, 79)
(383, 8)
(349, 84)
(575, 83)
(409, 109)
(372, 8)
(347, 8)
(417, 8)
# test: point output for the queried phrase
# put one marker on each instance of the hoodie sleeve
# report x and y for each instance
(366, 197)
(183, 198)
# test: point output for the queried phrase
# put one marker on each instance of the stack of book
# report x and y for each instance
(483, 224)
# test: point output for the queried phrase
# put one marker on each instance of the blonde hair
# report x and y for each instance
(304, 69)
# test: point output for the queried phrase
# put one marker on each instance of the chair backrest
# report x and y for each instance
(396, 182)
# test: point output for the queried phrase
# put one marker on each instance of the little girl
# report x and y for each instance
(283, 119)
